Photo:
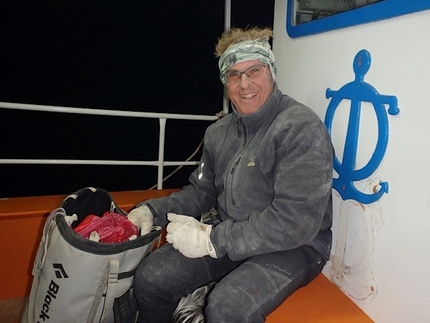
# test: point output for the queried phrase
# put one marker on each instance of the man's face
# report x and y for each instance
(248, 95)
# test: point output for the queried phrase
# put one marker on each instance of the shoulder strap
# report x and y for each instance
(107, 285)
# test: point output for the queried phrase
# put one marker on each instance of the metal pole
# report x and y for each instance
(227, 26)
(161, 153)
(227, 15)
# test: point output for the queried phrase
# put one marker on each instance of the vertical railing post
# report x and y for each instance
(227, 27)
(161, 141)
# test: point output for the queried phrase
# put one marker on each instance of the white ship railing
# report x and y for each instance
(162, 117)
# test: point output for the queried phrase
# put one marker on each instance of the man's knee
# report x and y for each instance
(149, 278)
(142, 281)
(229, 303)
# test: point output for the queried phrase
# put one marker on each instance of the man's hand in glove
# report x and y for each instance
(189, 236)
(143, 218)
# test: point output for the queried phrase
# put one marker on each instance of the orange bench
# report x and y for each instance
(21, 224)
(319, 302)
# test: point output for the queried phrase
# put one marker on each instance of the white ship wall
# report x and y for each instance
(380, 255)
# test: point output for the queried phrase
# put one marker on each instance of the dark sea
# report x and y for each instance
(152, 56)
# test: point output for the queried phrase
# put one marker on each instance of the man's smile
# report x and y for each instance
(249, 95)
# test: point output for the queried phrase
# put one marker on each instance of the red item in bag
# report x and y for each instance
(111, 227)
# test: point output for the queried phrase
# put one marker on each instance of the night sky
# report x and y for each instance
(154, 56)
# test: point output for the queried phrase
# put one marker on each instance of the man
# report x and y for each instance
(267, 168)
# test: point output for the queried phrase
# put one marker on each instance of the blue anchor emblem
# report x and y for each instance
(358, 91)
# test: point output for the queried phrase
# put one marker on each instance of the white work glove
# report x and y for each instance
(143, 218)
(189, 236)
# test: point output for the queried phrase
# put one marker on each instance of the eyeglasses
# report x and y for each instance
(252, 72)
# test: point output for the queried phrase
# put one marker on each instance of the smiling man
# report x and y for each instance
(247, 97)
(267, 170)
(247, 69)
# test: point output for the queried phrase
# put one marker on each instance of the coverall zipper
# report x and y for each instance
(232, 180)
(239, 134)
(239, 127)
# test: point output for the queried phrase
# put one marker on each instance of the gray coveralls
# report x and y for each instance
(270, 176)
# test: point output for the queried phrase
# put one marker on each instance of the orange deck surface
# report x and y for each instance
(319, 302)
(21, 224)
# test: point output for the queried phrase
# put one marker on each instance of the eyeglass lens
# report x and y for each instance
(252, 72)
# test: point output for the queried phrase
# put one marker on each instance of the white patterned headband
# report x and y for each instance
(248, 50)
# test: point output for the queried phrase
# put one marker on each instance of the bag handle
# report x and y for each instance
(43, 246)
(50, 223)
(111, 288)
(107, 285)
